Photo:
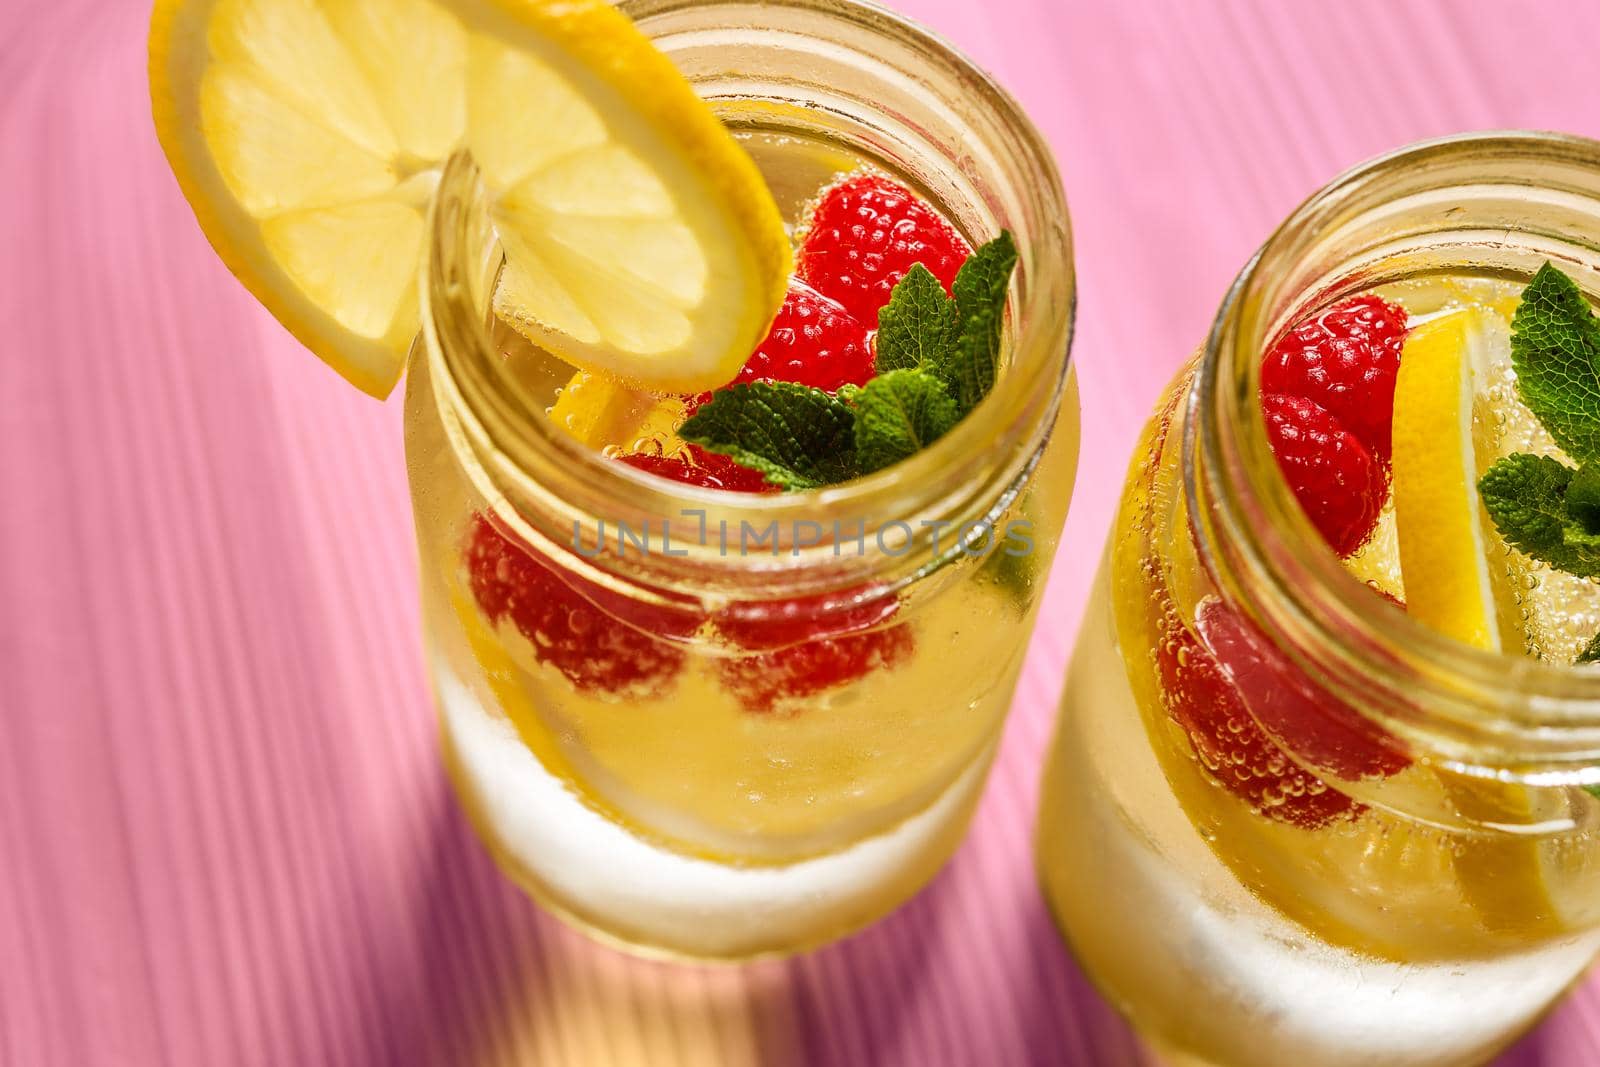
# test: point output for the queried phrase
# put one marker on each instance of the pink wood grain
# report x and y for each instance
(224, 835)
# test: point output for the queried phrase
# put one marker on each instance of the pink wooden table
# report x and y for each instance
(224, 834)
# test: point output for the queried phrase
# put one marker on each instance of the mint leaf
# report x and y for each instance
(936, 357)
(1013, 576)
(1526, 497)
(1555, 349)
(917, 328)
(1590, 654)
(1013, 572)
(1583, 497)
(898, 414)
(980, 297)
(798, 436)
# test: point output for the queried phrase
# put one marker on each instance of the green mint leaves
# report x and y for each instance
(1583, 498)
(980, 297)
(1555, 349)
(937, 357)
(797, 436)
(918, 327)
(898, 414)
(956, 338)
(1530, 500)
(1539, 504)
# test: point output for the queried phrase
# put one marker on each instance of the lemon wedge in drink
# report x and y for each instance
(1510, 874)
(601, 411)
(309, 135)
(1437, 514)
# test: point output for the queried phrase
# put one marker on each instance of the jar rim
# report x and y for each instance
(946, 477)
(1479, 711)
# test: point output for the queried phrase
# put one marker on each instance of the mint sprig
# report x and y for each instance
(937, 357)
(897, 415)
(1530, 499)
(1555, 350)
(980, 296)
(918, 327)
(797, 436)
(1541, 505)
(955, 338)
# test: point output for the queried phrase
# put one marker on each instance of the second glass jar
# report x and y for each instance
(1282, 822)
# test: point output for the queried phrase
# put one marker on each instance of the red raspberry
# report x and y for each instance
(710, 470)
(1218, 678)
(813, 341)
(602, 641)
(801, 647)
(1346, 360)
(1338, 483)
(865, 233)
(1316, 726)
(1230, 745)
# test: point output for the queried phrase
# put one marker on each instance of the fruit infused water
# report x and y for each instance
(738, 416)
(1261, 852)
(720, 676)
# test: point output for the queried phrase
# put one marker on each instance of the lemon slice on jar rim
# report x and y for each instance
(308, 136)
(1511, 875)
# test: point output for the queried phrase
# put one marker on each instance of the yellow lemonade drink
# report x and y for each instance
(688, 712)
(1318, 792)
(738, 418)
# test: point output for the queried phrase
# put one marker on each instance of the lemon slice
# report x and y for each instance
(601, 411)
(1437, 513)
(308, 136)
(1512, 875)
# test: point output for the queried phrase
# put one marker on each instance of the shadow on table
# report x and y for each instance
(990, 982)
(486, 978)
(1535, 1050)
(482, 977)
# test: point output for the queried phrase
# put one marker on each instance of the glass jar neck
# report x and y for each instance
(1498, 206)
(886, 92)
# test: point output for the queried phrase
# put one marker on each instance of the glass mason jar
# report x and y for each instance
(1391, 860)
(720, 725)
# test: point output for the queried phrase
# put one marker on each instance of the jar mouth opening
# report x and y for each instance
(966, 472)
(1473, 708)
